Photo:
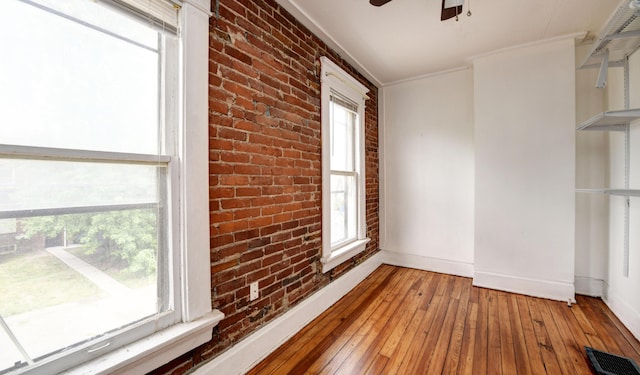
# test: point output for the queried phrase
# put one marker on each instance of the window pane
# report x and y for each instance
(83, 244)
(66, 85)
(38, 184)
(342, 138)
(71, 278)
(343, 208)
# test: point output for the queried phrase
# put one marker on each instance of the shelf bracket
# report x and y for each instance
(604, 68)
(623, 35)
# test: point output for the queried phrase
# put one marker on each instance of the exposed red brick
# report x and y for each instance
(265, 169)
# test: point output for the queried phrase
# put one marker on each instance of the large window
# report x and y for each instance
(343, 199)
(91, 220)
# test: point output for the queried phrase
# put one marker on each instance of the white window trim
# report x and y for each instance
(335, 79)
(198, 318)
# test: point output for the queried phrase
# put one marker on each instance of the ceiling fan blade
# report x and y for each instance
(450, 9)
(378, 3)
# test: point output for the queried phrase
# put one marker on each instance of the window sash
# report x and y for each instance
(344, 220)
(60, 154)
(82, 156)
(348, 160)
(350, 210)
(166, 314)
(145, 46)
(109, 341)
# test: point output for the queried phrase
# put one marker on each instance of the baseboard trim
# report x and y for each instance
(555, 290)
(427, 264)
(627, 314)
(589, 286)
(247, 353)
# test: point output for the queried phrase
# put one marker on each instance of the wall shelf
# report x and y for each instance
(620, 192)
(611, 120)
(619, 38)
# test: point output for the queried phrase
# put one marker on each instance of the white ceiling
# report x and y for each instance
(404, 39)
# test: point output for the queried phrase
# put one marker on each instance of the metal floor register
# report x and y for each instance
(610, 364)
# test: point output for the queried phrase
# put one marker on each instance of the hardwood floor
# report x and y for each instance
(405, 321)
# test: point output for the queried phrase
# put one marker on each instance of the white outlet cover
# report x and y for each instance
(253, 291)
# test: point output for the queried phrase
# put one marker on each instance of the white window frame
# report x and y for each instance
(335, 80)
(193, 286)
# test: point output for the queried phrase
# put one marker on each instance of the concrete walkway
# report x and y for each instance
(49, 329)
(103, 281)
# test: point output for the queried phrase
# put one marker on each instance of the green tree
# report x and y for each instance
(128, 237)
(54, 226)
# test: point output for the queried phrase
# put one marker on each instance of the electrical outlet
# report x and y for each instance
(253, 291)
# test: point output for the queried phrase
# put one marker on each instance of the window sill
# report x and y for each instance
(343, 254)
(154, 351)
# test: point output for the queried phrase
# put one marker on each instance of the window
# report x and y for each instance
(343, 180)
(102, 236)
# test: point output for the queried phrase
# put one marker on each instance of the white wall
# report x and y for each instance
(528, 220)
(428, 172)
(525, 170)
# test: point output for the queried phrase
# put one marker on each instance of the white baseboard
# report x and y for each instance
(247, 353)
(427, 264)
(559, 291)
(626, 313)
(589, 286)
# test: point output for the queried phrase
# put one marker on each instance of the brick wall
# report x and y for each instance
(265, 172)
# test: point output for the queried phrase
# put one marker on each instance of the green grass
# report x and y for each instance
(35, 280)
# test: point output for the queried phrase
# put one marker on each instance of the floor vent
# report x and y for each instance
(610, 364)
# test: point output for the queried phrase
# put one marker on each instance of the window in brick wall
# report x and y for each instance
(343, 156)
(94, 223)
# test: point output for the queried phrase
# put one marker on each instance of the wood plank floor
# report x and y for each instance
(405, 321)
